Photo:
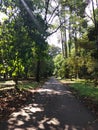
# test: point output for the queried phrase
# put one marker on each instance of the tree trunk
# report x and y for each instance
(62, 42)
(95, 23)
(69, 31)
(38, 71)
(69, 44)
(65, 45)
(97, 3)
(15, 78)
(76, 54)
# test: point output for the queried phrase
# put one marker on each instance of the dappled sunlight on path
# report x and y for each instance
(52, 107)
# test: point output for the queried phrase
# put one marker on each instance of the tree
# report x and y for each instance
(74, 13)
(54, 50)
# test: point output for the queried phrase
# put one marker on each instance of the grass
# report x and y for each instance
(22, 84)
(28, 85)
(31, 85)
(84, 89)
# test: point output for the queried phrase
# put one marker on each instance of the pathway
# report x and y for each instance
(52, 107)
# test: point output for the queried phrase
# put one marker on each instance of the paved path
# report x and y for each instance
(52, 107)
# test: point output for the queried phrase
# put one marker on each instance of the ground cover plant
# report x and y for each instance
(86, 92)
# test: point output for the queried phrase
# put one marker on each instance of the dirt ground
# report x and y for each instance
(52, 107)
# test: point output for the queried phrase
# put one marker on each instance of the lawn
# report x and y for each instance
(28, 85)
(83, 89)
(85, 92)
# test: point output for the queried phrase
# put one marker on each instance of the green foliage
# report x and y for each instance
(24, 51)
(96, 14)
(26, 86)
(85, 90)
(54, 50)
(18, 68)
(21, 44)
(58, 61)
(80, 64)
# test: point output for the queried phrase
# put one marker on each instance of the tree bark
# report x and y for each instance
(65, 45)
(38, 71)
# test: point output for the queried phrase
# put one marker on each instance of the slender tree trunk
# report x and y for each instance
(97, 3)
(38, 71)
(26, 72)
(62, 42)
(96, 30)
(76, 46)
(94, 16)
(70, 39)
(15, 78)
(46, 9)
(65, 44)
(76, 54)
(69, 31)
(95, 22)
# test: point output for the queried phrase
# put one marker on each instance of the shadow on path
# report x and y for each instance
(52, 107)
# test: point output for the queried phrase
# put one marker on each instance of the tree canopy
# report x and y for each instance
(24, 50)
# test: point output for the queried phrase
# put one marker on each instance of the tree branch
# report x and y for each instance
(52, 14)
(89, 17)
(47, 6)
(57, 28)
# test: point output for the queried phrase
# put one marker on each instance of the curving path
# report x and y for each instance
(53, 107)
